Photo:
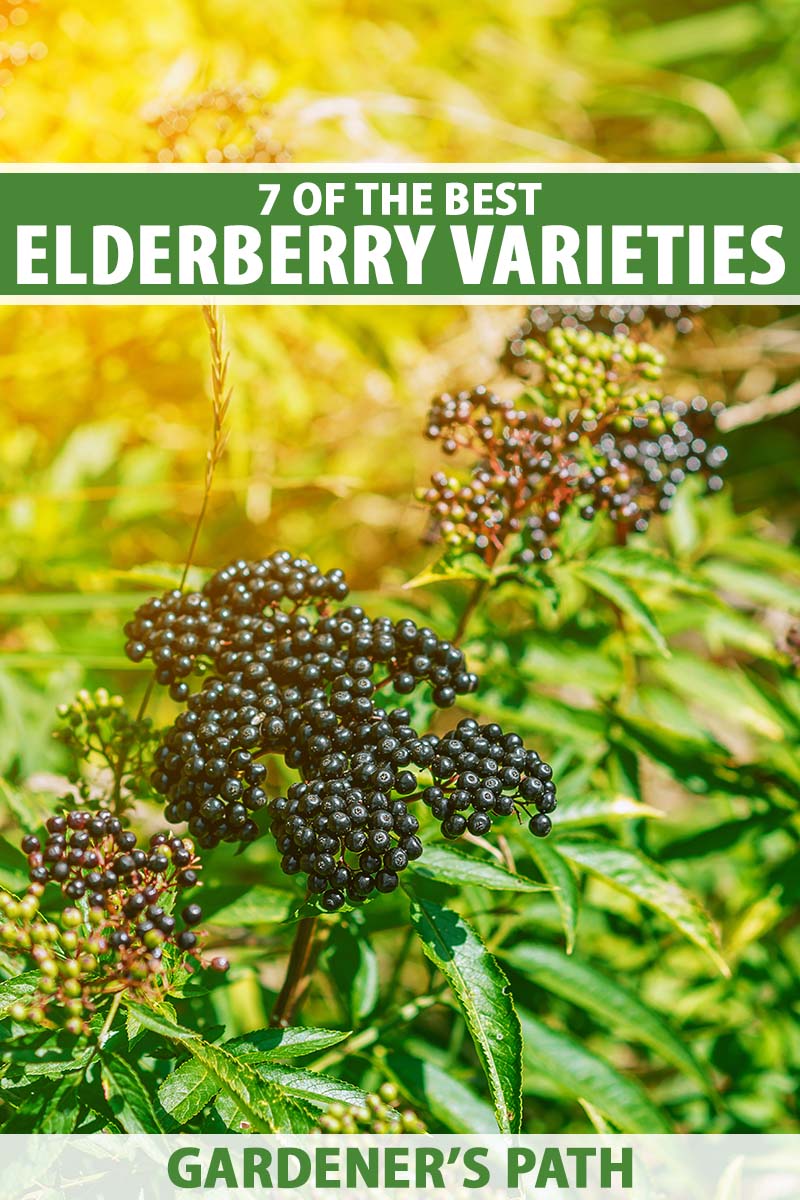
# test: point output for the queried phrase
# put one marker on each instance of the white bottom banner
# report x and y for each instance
(601, 1167)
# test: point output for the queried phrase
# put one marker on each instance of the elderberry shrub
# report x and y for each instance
(125, 936)
(597, 435)
(295, 679)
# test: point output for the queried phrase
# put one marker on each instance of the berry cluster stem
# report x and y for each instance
(298, 972)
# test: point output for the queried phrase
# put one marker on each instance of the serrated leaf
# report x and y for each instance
(187, 1091)
(236, 1078)
(157, 1023)
(62, 1111)
(448, 865)
(240, 1081)
(309, 1086)
(482, 991)
(441, 1094)
(292, 1116)
(599, 809)
(561, 878)
(636, 876)
(586, 1077)
(267, 1044)
(128, 1097)
(584, 985)
(626, 600)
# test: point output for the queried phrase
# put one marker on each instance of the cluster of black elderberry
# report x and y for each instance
(597, 434)
(125, 932)
(622, 319)
(481, 771)
(225, 620)
(295, 679)
(90, 854)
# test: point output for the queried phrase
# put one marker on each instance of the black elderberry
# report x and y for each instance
(540, 825)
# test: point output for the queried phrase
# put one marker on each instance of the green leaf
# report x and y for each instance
(634, 875)
(751, 583)
(309, 1086)
(699, 763)
(28, 603)
(267, 1044)
(292, 1116)
(724, 691)
(259, 905)
(128, 1097)
(721, 836)
(448, 865)
(482, 991)
(233, 1076)
(465, 566)
(63, 1110)
(352, 965)
(561, 878)
(626, 600)
(157, 1023)
(582, 984)
(682, 526)
(240, 1082)
(441, 1094)
(187, 1091)
(599, 809)
(538, 712)
(647, 567)
(584, 1076)
(18, 988)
